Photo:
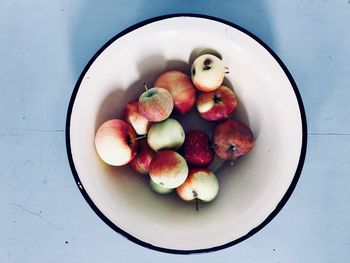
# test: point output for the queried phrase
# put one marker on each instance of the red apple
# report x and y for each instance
(180, 87)
(168, 169)
(143, 158)
(217, 105)
(200, 184)
(115, 142)
(232, 139)
(197, 149)
(133, 116)
(207, 72)
(156, 104)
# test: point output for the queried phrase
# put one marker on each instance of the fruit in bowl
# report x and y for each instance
(200, 184)
(168, 169)
(156, 104)
(197, 149)
(181, 89)
(115, 142)
(133, 116)
(232, 139)
(143, 157)
(208, 72)
(168, 134)
(160, 135)
(217, 105)
(159, 189)
(150, 116)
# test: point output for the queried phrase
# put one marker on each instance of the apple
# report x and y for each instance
(181, 89)
(232, 139)
(217, 105)
(115, 142)
(200, 184)
(159, 189)
(167, 134)
(207, 72)
(133, 116)
(156, 104)
(168, 169)
(143, 158)
(197, 149)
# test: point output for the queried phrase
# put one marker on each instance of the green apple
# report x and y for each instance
(200, 184)
(167, 134)
(159, 189)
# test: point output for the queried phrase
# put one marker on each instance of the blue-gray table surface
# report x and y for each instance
(44, 45)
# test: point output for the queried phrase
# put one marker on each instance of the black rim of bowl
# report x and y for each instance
(282, 201)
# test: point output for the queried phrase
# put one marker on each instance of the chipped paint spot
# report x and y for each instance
(80, 186)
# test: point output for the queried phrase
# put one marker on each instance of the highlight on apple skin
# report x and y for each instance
(167, 134)
(200, 184)
(168, 169)
(232, 139)
(197, 149)
(143, 158)
(207, 72)
(217, 105)
(156, 104)
(159, 189)
(115, 142)
(133, 116)
(181, 89)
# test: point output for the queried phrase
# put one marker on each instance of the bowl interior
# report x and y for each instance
(249, 191)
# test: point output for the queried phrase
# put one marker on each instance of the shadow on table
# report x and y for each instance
(98, 22)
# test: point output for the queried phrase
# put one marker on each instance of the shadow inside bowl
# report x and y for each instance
(124, 177)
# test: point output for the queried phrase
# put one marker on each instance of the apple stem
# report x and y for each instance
(139, 138)
(232, 149)
(231, 158)
(196, 199)
(145, 85)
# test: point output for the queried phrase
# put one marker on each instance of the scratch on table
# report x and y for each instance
(27, 162)
(328, 134)
(37, 215)
(31, 130)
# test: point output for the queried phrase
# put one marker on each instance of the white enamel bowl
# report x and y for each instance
(251, 192)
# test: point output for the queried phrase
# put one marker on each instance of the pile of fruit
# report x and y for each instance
(153, 143)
